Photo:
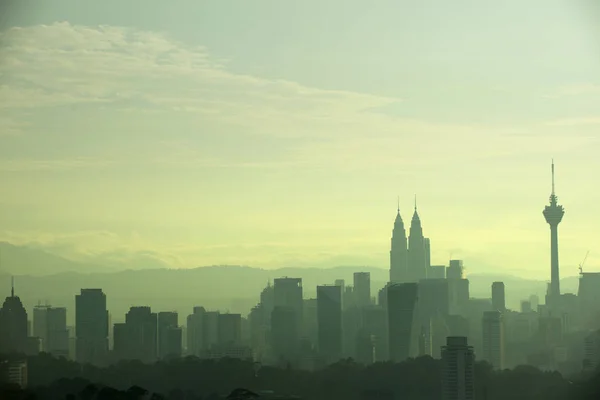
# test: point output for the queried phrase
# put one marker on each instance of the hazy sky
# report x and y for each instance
(279, 133)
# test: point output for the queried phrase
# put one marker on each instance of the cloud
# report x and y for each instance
(147, 74)
(575, 121)
(29, 165)
(62, 64)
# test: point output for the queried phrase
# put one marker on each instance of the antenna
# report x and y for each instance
(12, 286)
(553, 177)
(583, 262)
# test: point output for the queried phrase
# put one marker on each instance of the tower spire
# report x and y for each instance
(398, 204)
(553, 193)
(12, 286)
(415, 202)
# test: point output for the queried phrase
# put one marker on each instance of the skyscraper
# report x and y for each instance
(169, 335)
(399, 251)
(13, 325)
(329, 315)
(287, 292)
(458, 369)
(553, 214)
(91, 326)
(362, 288)
(417, 258)
(402, 300)
(498, 296)
(493, 338)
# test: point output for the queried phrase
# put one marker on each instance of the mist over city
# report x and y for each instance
(299, 200)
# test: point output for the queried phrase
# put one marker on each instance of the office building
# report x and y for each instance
(230, 329)
(169, 335)
(493, 339)
(456, 270)
(402, 301)
(498, 297)
(329, 315)
(14, 371)
(458, 369)
(287, 292)
(50, 326)
(591, 347)
(398, 251)
(284, 336)
(362, 288)
(13, 325)
(417, 257)
(91, 327)
(136, 339)
(437, 272)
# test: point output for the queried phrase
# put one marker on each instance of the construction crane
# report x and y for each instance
(583, 262)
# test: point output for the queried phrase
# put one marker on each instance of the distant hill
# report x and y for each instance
(25, 260)
(228, 288)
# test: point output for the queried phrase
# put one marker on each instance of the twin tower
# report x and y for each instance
(410, 259)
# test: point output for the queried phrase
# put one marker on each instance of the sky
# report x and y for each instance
(277, 133)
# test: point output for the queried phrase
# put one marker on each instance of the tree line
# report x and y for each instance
(193, 379)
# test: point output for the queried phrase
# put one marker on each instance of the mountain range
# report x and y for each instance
(41, 277)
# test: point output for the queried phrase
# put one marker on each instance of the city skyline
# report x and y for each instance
(179, 142)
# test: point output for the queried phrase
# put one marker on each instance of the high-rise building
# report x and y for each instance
(427, 244)
(402, 301)
(398, 251)
(493, 339)
(362, 288)
(329, 315)
(458, 369)
(553, 213)
(498, 297)
(195, 332)
(417, 259)
(91, 327)
(437, 272)
(169, 335)
(284, 335)
(287, 292)
(591, 359)
(57, 334)
(136, 339)
(456, 270)
(230, 329)
(50, 326)
(13, 325)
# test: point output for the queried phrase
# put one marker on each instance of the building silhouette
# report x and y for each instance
(417, 251)
(284, 335)
(136, 339)
(493, 339)
(362, 288)
(329, 315)
(458, 369)
(553, 213)
(287, 292)
(169, 335)
(13, 325)
(498, 296)
(230, 329)
(401, 307)
(398, 251)
(91, 327)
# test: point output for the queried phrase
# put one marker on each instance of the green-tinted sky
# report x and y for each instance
(279, 133)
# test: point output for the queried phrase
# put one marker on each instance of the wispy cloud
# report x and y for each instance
(575, 121)
(30, 165)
